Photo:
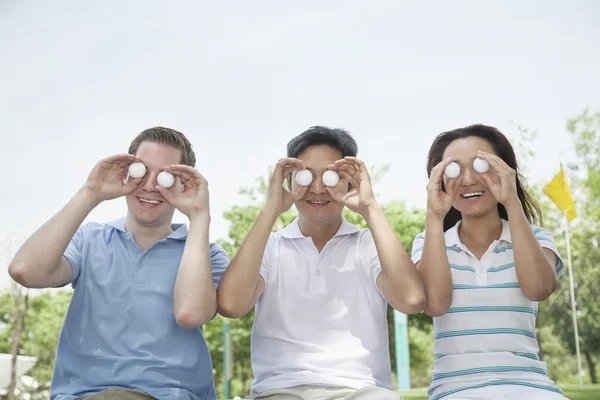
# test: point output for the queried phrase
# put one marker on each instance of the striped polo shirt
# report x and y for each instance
(487, 337)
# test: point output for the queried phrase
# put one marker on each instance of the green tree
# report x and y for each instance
(41, 329)
(584, 183)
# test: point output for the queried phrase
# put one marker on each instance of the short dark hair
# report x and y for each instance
(338, 139)
(167, 136)
(503, 149)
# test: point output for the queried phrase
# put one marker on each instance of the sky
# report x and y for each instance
(79, 80)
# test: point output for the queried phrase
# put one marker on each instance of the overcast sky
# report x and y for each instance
(78, 80)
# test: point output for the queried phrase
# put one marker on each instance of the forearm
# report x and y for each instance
(40, 255)
(194, 294)
(237, 292)
(535, 272)
(400, 282)
(434, 268)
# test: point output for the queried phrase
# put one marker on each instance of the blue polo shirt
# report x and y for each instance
(120, 330)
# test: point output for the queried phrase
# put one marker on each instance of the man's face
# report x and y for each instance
(145, 204)
(317, 205)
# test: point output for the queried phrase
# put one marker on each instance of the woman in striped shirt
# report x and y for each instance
(485, 266)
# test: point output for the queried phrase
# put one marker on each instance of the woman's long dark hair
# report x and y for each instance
(503, 149)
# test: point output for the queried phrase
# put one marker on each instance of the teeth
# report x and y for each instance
(466, 195)
(319, 202)
(149, 201)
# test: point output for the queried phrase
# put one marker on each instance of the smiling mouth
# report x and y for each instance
(149, 203)
(471, 195)
(318, 203)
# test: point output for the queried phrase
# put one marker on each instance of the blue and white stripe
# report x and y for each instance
(487, 337)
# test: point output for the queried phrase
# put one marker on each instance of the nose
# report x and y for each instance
(317, 186)
(150, 182)
(468, 177)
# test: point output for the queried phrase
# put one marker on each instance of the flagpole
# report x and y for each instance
(571, 287)
(573, 309)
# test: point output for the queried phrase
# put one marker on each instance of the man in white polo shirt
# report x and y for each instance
(321, 285)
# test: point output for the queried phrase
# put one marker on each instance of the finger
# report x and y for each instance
(186, 178)
(286, 166)
(132, 182)
(335, 195)
(183, 168)
(437, 173)
(289, 162)
(451, 188)
(119, 157)
(500, 166)
(349, 178)
(119, 160)
(361, 167)
(167, 194)
(352, 170)
(495, 161)
(489, 181)
(299, 193)
(339, 165)
(341, 161)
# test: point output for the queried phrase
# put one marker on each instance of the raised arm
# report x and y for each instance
(39, 263)
(398, 281)
(535, 266)
(433, 264)
(242, 285)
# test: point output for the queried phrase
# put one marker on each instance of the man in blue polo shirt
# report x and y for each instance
(143, 287)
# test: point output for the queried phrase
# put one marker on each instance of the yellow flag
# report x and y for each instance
(558, 191)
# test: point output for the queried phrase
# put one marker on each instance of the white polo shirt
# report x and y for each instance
(321, 319)
(487, 337)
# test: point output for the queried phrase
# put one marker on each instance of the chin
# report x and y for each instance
(146, 218)
(477, 212)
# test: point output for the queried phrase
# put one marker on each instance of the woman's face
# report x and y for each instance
(473, 196)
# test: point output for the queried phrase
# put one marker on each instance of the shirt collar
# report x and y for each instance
(292, 231)
(452, 238)
(180, 231)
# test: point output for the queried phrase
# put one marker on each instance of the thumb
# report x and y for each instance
(131, 184)
(170, 197)
(299, 193)
(488, 180)
(335, 195)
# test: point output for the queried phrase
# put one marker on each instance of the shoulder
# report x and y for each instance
(94, 230)
(217, 250)
(542, 234)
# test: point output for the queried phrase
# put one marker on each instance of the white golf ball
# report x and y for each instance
(237, 398)
(304, 177)
(137, 170)
(331, 178)
(452, 171)
(480, 165)
(165, 179)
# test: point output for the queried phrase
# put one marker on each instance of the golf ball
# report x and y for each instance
(452, 171)
(137, 170)
(165, 179)
(331, 178)
(304, 177)
(481, 165)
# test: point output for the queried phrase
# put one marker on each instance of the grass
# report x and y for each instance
(589, 392)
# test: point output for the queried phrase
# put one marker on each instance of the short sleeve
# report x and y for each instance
(370, 255)
(219, 261)
(74, 253)
(417, 247)
(546, 240)
(264, 266)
